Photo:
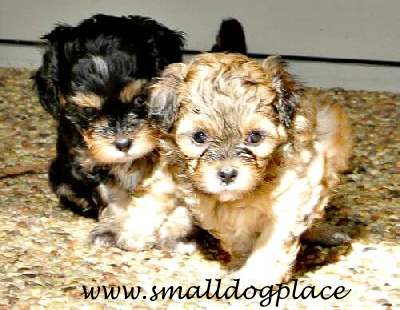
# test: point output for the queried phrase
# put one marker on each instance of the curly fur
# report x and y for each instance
(283, 180)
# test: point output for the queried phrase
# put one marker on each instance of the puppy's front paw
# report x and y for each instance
(185, 248)
(326, 234)
(138, 242)
(103, 235)
(175, 230)
(110, 234)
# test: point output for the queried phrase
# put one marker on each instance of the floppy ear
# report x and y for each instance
(163, 104)
(287, 89)
(46, 81)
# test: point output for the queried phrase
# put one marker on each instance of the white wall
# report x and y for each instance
(363, 29)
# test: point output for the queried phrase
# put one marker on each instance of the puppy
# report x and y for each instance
(155, 207)
(93, 82)
(251, 159)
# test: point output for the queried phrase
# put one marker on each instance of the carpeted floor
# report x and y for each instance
(45, 259)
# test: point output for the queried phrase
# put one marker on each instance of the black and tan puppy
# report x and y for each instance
(93, 82)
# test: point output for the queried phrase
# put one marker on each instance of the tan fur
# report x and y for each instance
(87, 100)
(103, 150)
(334, 132)
(279, 192)
(133, 89)
(62, 100)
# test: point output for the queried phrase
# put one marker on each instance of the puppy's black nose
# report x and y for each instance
(227, 174)
(123, 144)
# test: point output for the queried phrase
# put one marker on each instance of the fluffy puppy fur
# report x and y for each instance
(93, 82)
(249, 158)
(154, 208)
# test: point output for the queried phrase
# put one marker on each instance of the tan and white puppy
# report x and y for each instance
(252, 160)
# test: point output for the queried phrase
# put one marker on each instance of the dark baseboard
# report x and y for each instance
(252, 55)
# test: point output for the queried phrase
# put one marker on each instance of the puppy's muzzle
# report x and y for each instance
(123, 144)
(227, 174)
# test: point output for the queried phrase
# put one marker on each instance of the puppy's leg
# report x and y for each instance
(137, 226)
(297, 203)
(77, 191)
(325, 234)
(128, 222)
(175, 229)
(112, 217)
(143, 219)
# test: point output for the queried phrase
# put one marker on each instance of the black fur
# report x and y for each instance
(99, 56)
(231, 37)
(163, 106)
(286, 103)
(287, 88)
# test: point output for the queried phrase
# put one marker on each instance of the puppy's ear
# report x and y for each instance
(287, 89)
(163, 105)
(46, 81)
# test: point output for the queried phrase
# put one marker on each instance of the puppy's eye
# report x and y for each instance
(139, 106)
(89, 111)
(139, 101)
(199, 137)
(254, 137)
